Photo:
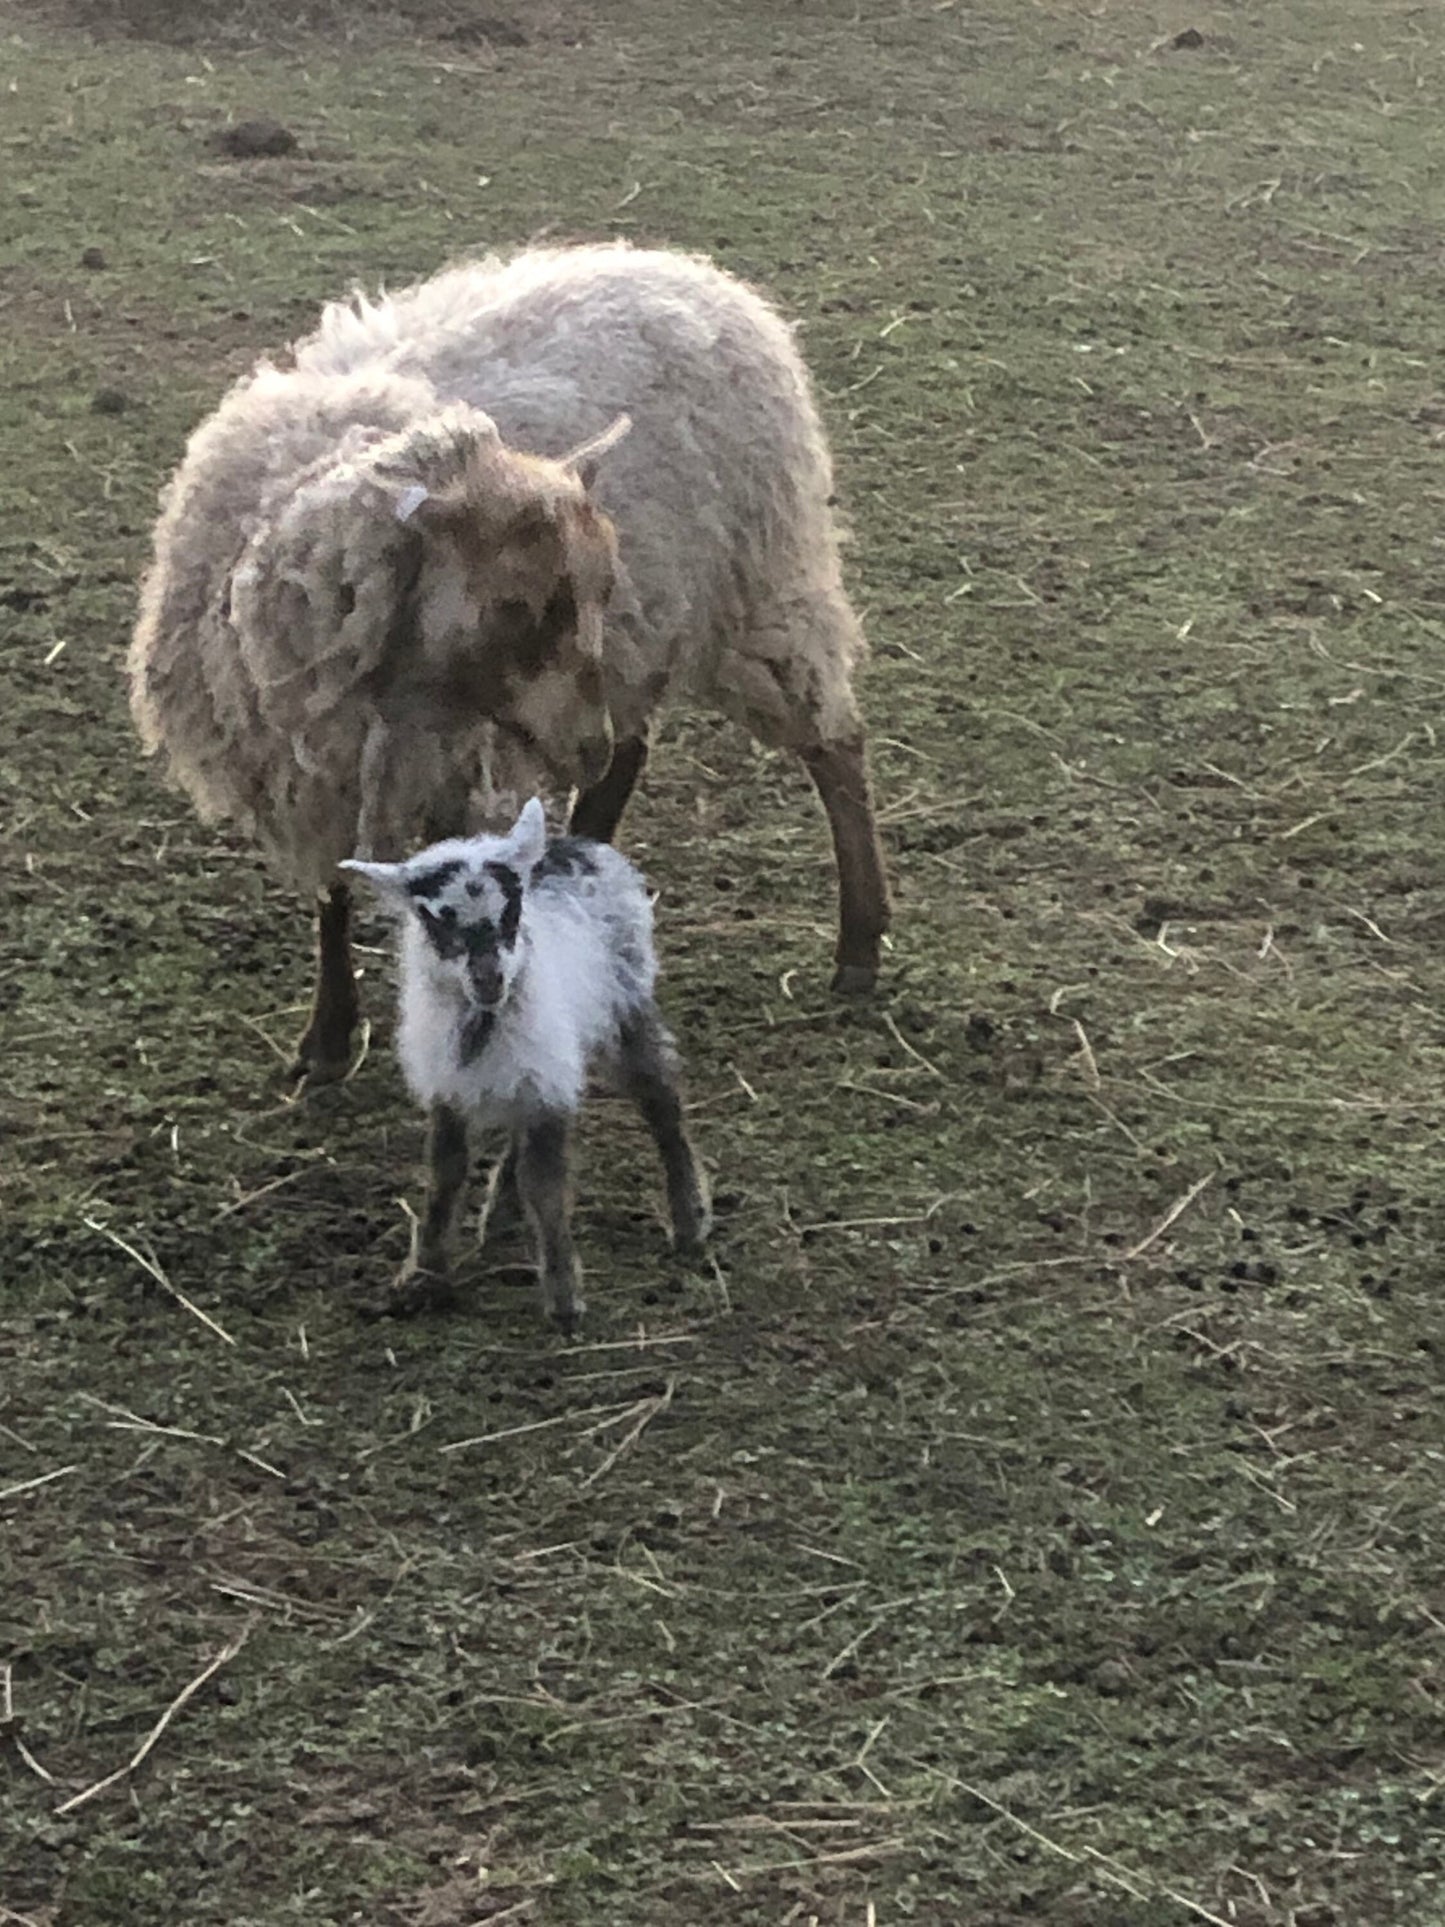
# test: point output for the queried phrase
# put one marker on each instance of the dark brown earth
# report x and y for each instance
(1032, 1513)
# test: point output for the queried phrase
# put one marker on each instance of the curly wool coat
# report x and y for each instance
(317, 677)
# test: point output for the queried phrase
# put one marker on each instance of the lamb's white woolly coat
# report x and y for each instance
(586, 964)
(262, 690)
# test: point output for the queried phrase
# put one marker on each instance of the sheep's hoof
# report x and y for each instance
(855, 980)
(413, 1290)
(315, 1073)
(692, 1227)
(323, 1051)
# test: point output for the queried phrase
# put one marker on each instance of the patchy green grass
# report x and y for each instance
(1035, 1514)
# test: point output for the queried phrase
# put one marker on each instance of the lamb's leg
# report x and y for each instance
(323, 1054)
(649, 1071)
(499, 1207)
(544, 1182)
(424, 1282)
(598, 811)
(840, 774)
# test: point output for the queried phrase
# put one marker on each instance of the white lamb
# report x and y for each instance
(526, 964)
(386, 599)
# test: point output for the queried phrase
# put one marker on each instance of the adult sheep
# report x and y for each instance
(385, 596)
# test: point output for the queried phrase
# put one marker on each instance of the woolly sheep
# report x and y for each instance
(524, 964)
(377, 612)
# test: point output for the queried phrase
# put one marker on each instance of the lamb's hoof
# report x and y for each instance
(565, 1306)
(855, 980)
(412, 1291)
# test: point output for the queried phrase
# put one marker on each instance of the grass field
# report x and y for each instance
(1034, 1513)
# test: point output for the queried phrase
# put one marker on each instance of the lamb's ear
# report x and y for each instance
(586, 461)
(529, 835)
(387, 879)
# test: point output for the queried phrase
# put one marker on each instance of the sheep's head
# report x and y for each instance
(451, 579)
(512, 572)
(465, 897)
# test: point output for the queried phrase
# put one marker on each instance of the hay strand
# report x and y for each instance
(223, 1658)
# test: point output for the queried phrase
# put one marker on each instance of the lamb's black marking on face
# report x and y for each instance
(446, 938)
(469, 913)
(452, 937)
(427, 883)
(510, 885)
(567, 856)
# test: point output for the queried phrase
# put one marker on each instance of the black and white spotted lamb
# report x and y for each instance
(526, 965)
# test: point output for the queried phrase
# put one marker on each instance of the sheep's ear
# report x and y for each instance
(529, 834)
(422, 467)
(586, 461)
(411, 499)
(426, 511)
(387, 879)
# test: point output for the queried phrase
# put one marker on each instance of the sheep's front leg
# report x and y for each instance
(649, 1069)
(323, 1055)
(545, 1186)
(598, 811)
(424, 1282)
(840, 775)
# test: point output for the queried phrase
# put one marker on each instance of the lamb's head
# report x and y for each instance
(466, 898)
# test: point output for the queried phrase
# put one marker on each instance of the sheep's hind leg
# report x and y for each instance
(649, 1071)
(840, 774)
(424, 1282)
(323, 1054)
(598, 811)
(544, 1182)
(788, 680)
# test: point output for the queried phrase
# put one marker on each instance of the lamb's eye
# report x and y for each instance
(345, 599)
(441, 929)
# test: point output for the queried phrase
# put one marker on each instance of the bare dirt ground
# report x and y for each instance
(1034, 1514)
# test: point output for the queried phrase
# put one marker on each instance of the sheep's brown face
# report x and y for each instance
(516, 615)
(554, 701)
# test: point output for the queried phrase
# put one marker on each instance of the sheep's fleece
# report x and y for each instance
(258, 688)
